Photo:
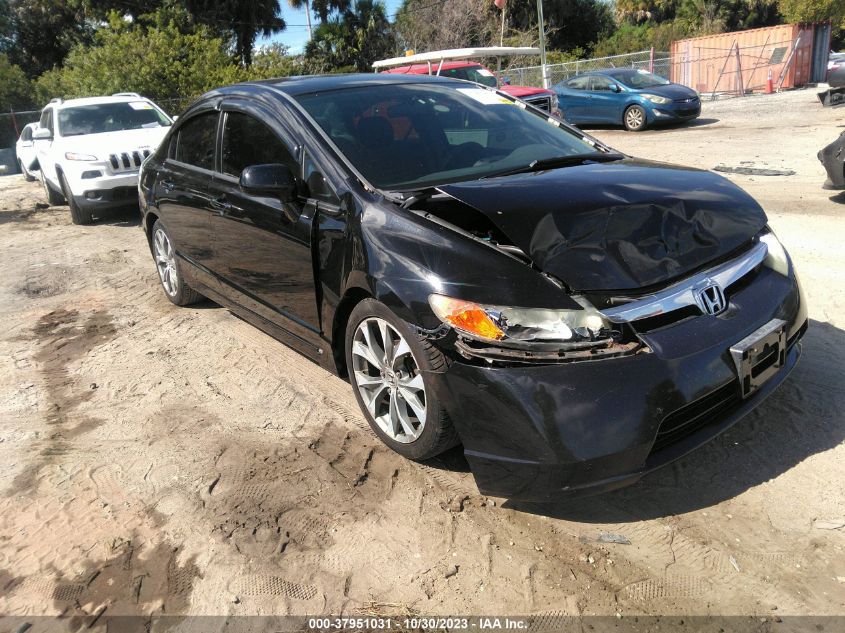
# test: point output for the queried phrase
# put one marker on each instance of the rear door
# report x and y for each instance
(262, 246)
(183, 187)
(574, 99)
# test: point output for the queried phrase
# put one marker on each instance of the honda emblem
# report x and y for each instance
(711, 299)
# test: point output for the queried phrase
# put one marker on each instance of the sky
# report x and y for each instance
(296, 34)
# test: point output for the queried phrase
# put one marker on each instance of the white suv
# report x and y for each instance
(89, 150)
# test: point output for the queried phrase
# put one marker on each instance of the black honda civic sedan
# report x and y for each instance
(483, 273)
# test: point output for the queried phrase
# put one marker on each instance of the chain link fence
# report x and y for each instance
(656, 62)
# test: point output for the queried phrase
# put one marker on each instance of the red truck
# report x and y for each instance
(460, 67)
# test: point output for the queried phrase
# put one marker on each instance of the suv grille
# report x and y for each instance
(128, 160)
(544, 102)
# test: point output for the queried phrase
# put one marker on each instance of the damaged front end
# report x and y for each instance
(833, 159)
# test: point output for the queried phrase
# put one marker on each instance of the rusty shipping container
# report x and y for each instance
(740, 62)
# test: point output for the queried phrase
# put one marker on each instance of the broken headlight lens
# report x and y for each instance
(509, 324)
(776, 258)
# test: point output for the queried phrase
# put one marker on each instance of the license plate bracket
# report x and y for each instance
(760, 355)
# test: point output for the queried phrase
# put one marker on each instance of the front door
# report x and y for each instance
(262, 246)
(605, 102)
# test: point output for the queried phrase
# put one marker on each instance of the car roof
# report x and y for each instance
(83, 101)
(316, 83)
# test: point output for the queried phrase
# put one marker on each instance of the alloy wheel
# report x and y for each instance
(634, 118)
(388, 380)
(165, 262)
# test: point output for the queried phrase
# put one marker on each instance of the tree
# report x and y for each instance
(244, 19)
(15, 89)
(157, 60)
(422, 25)
(352, 41)
(39, 33)
(813, 11)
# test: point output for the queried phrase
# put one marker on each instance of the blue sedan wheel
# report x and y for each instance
(634, 119)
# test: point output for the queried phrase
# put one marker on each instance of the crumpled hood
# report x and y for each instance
(617, 226)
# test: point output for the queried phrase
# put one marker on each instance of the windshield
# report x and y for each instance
(640, 79)
(110, 117)
(478, 74)
(410, 136)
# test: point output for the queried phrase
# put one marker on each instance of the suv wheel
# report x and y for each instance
(54, 198)
(635, 119)
(78, 213)
(389, 368)
(169, 270)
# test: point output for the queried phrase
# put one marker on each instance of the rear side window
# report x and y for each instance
(195, 144)
(578, 83)
(247, 141)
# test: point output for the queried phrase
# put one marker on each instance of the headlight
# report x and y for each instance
(576, 328)
(776, 259)
(75, 156)
(656, 99)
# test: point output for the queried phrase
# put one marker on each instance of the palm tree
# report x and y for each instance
(298, 4)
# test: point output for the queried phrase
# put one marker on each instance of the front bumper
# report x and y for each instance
(539, 432)
(676, 112)
(98, 186)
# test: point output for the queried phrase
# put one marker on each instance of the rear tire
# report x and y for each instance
(170, 268)
(78, 214)
(392, 382)
(635, 119)
(54, 198)
(26, 175)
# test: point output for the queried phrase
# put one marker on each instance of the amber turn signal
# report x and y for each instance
(465, 316)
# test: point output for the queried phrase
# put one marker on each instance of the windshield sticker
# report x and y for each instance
(140, 105)
(484, 72)
(643, 72)
(484, 96)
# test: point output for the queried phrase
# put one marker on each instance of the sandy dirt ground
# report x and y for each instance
(156, 459)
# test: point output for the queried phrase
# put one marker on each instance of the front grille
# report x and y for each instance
(690, 418)
(128, 160)
(544, 103)
(690, 100)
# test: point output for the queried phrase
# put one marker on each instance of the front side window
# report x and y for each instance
(110, 117)
(196, 140)
(407, 136)
(247, 141)
(602, 84)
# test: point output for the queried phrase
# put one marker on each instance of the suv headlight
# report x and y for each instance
(656, 99)
(507, 324)
(75, 156)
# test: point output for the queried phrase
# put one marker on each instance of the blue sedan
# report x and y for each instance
(634, 98)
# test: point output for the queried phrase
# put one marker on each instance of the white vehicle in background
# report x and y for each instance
(25, 152)
(89, 150)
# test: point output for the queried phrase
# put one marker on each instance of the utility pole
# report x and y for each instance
(542, 43)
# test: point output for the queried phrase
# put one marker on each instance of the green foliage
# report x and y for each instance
(812, 10)
(159, 61)
(271, 62)
(629, 38)
(354, 40)
(15, 89)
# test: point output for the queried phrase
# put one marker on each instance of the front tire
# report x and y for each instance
(78, 214)
(389, 369)
(26, 175)
(169, 268)
(54, 198)
(635, 119)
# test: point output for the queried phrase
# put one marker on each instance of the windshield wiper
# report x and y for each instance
(559, 161)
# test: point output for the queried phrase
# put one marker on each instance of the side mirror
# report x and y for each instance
(615, 88)
(269, 180)
(42, 133)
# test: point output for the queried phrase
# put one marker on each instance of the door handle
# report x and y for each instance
(222, 205)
